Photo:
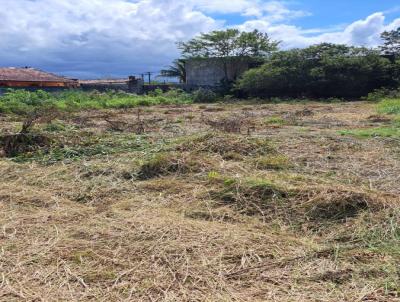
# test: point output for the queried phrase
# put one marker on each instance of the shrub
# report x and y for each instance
(204, 96)
(383, 93)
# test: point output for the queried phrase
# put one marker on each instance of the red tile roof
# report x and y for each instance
(29, 75)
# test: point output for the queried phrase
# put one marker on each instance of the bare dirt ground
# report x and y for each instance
(237, 202)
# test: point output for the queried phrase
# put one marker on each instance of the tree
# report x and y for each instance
(391, 44)
(324, 70)
(229, 43)
(225, 44)
(176, 70)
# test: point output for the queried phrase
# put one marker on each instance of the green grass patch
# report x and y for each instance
(389, 106)
(391, 131)
(273, 162)
(275, 120)
(22, 101)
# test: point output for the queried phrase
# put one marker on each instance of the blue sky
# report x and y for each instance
(117, 38)
(330, 13)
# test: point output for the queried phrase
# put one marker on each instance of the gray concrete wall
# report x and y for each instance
(210, 71)
(132, 85)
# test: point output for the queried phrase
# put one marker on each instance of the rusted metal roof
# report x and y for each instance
(29, 75)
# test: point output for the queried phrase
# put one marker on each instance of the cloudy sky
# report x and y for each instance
(116, 38)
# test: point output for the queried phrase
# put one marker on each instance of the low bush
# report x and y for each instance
(383, 93)
(203, 95)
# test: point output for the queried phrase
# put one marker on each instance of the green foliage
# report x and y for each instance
(229, 43)
(23, 102)
(275, 120)
(389, 106)
(325, 70)
(391, 44)
(391, 131)
(204, 96)
(383, 93)
(176, 70)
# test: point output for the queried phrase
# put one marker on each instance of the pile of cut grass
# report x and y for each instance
(337, 203)
(227, 145)
(272, 162)
(296, 204)
(164, 164)
(250, 196)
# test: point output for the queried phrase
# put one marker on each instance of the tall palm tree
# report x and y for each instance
(176, 70)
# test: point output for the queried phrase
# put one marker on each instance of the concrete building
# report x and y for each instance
(210, 72)
(26, 77)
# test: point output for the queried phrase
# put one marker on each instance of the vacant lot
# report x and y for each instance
(244, 202)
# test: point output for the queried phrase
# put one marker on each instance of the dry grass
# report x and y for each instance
(182, 212)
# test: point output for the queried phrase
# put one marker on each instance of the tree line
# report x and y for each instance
(323, 70)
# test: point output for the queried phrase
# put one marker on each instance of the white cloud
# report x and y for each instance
(360, 33)
(91, 38)
(274, 10)
(106, 36)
